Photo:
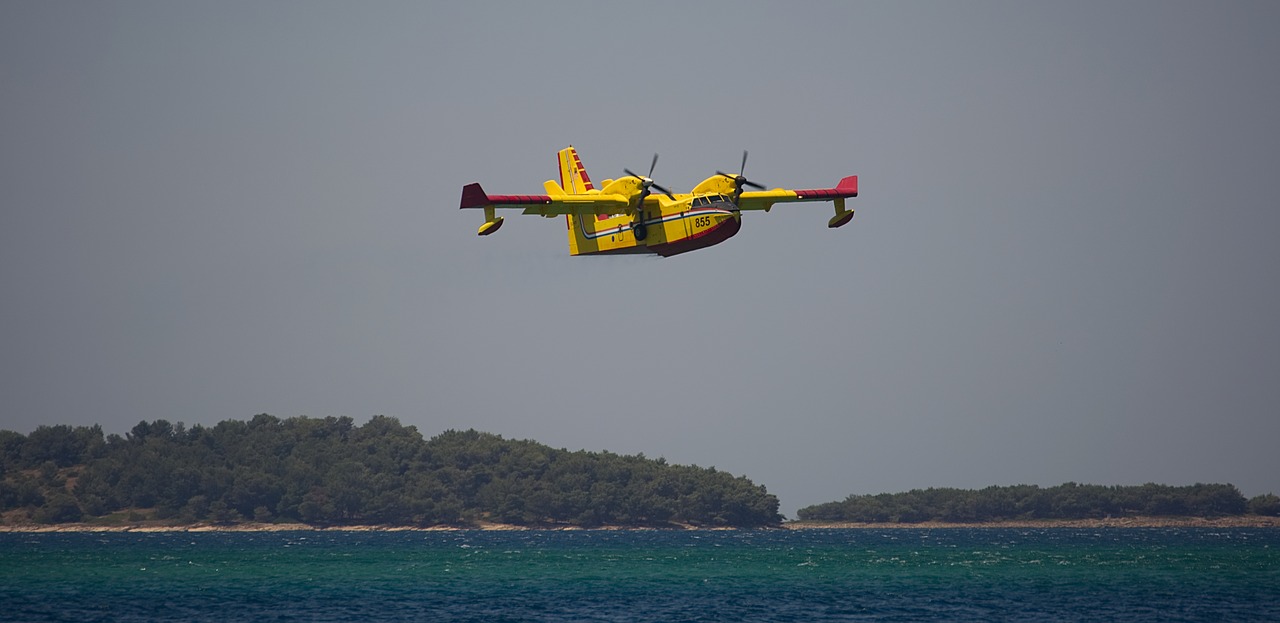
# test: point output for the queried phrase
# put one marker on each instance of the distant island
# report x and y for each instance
(269, 473)
(1149, 504)
(331, 473)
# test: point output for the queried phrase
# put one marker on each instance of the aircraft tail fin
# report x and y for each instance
(573, 176)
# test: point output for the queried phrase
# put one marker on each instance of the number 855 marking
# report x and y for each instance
(702, 221)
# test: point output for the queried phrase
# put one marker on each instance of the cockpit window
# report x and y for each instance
(710, 199)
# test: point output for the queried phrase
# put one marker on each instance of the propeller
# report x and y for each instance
(740, 180)
(646, 182)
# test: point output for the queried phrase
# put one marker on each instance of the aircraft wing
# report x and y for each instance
(473, 196)
(764, 199)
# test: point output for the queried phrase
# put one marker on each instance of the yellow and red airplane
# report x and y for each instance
(623, 216)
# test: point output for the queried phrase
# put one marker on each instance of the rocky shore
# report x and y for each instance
(1240, 521)
(285, 527)
(1236, 521)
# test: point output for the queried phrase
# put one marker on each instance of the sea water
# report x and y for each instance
(769, 575)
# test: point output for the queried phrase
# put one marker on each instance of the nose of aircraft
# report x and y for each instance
(728, 224)
(734, 212)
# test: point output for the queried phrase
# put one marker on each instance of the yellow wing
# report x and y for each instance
(473, 196)
(764, 199)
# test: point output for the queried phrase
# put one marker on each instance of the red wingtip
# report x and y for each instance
(474, 197)
(848, 185)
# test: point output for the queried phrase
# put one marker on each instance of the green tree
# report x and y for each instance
(331, 471)
(1266, 504)
(61, 444)
(60, 508)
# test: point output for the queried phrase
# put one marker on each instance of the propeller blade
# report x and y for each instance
(665, 192)
(726, 175)
(646, 182)
(743, 168)
(752, 184)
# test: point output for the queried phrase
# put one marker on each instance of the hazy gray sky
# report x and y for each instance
(1063, 268)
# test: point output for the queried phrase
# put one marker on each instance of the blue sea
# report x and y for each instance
(671, 576)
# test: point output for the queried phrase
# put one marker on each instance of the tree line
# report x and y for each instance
(329, 471)
(1067, 501)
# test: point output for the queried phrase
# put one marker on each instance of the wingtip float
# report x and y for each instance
(625, 215)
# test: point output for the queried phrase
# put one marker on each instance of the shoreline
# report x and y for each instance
(1243, 521)
(302, 527)
(1237, 521)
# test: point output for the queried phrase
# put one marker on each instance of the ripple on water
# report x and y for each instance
(816, 575)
